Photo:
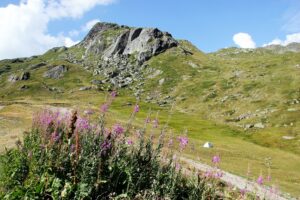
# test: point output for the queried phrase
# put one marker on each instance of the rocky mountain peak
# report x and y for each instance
(111, 41)
(118, 52)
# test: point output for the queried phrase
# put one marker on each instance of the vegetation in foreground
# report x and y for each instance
(67, 157)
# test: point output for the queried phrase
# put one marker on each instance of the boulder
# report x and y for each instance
(259, 125)
(208, 145)
(85, 88)
(23, 76)
(161, 81)
(286, 137)
(56, 72)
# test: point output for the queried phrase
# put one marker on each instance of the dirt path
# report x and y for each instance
(241, 183)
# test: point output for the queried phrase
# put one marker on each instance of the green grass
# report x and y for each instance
(210, 92)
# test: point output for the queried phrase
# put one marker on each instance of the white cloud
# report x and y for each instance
(89, 25)
(84, 28)
(244, 40)
(24, 26)
(288, 39)
(72, 8)
(68, 42)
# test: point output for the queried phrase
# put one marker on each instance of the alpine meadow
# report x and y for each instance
(135, 113)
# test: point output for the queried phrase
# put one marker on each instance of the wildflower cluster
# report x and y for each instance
(65, 156)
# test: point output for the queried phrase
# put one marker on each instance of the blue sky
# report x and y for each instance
(209, 24)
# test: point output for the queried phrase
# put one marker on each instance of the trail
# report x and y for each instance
(263, 192)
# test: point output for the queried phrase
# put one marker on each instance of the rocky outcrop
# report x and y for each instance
(120, 51)
(142, 43)
(23, 76)
(56, 72)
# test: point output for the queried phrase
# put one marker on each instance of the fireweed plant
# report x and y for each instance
(65, 156)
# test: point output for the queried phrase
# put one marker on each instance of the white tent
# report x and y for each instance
(208, 145)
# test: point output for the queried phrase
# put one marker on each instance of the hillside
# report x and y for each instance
(246, 101)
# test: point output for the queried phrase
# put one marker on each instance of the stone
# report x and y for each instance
(84, 88)
(248, 126)
(23, 76)
(13, 78)
(259, 125)
(161, 81)
(285, 137)
(193, 65)
(243, 116)
(56, 72)
(208, 145)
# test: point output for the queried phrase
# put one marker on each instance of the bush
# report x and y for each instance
(66, 157)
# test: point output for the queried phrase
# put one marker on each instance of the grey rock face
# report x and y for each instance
(142, 43)
(19, 77)
(25, 76)
(56, 72)
(121, 51)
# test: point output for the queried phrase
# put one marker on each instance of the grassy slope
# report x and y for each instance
(197, 82)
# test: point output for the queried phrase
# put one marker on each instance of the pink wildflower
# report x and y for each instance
(113, 94)
(106, 145)
(216, 159)
(136, 108)
(183, 141)
(170, 142)
(218, 174)
(82, 124)
(104, 108)
(129, 142)
(155, 123)
(260, 180)
(55, 136)
(118, 129)
(147, 120)
(208, 174)
(177, 166)
(243, 192)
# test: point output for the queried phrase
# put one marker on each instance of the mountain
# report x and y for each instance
(241, 98)
(246, 88)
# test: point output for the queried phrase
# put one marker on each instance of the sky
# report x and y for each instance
(31, 27)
